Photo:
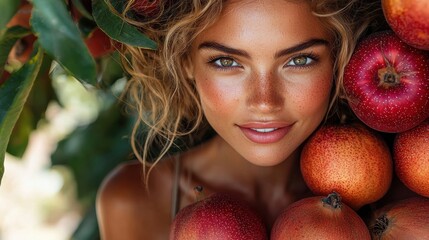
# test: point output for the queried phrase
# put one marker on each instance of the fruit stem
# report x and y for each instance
(388, 77)
(333, 200)
(380, 225)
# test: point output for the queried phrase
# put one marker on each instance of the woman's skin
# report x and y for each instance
(264, 75)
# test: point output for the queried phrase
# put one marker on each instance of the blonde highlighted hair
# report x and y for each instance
(165, 100)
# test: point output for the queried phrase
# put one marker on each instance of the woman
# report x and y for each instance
(262, 74)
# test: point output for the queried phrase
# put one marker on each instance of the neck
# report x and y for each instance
(240, 171)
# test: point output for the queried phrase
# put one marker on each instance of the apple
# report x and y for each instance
(22, 17)
(409, 20)
(219, 216)
(387, 83)
(411, 158)
(350, 159)
(98, 43)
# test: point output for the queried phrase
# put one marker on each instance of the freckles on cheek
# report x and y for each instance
(316, 97)
(214, 96)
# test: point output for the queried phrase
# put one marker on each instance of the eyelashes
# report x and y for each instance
(227, 62)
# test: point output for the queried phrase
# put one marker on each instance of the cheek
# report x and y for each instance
(315, 98)
(217, 95)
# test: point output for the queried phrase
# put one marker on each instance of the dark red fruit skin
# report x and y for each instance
(99, 44)
(384, 106)
(310, 218)
(5, 75)
(218, 216)
(409, 20)
(411, 158)
(403, 219)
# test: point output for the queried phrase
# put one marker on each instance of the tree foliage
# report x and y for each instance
(77, 37)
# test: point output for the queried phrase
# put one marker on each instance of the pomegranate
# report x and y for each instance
(387, 83)
(319, 218)
(411, 158)
(409, 20)
(404, 219)
(219, 216)
(350, 159)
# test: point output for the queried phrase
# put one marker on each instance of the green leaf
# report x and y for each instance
(8, 40)
(116, 28)
(13, 95)
(8, 9)
(61, 38)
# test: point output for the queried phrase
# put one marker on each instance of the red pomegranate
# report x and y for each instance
(219, 216)
(319, 218)
(404, 219)
(409, 20)
(411, 158)
(350, 159)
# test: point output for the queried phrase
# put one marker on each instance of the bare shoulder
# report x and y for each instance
(126, 208)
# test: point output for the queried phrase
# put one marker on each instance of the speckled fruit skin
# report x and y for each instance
(218, 216)
(404, 219)
(387, 83)
(310, 218)
(411, 158)
(409, 20)
(349, 159)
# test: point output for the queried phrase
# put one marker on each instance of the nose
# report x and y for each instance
(265, 93)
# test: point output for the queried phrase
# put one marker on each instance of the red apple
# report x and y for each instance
(22, 17)
(218, 216)
(409, 20)
(98, 43)
(387, 83)
(411, 158)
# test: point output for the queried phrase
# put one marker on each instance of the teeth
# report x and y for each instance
(264, 130)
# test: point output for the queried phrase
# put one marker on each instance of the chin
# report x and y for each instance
(270, 158)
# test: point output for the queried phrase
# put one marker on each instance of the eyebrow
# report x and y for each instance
(223, 48)
(302, 46)
(233, 51)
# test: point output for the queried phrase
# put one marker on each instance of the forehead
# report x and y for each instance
(267, 19)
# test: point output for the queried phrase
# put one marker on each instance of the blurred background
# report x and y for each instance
(57, 157)
(62, 125)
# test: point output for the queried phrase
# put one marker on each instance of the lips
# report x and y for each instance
(265, 133)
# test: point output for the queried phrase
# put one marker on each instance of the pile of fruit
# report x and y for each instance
(349, 166)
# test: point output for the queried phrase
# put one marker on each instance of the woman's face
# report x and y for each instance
(264, 75)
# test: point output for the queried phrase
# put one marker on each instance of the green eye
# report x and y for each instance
(300, 61)
(225, 62)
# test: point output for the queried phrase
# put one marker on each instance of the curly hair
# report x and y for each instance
(166, 101)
